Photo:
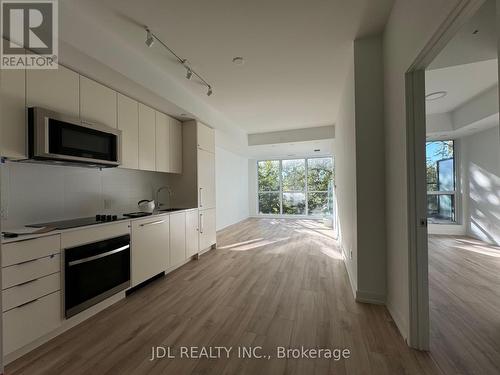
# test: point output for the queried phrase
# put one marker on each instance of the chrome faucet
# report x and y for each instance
(169, 190)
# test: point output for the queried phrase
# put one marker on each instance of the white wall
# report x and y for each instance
(370, 169)
(359, 163)
(34, 193)
(410, 26)
(345, 176)
(231, 181)
(252, 187)
(482, 160)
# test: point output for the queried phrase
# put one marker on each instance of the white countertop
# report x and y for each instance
(23, 237)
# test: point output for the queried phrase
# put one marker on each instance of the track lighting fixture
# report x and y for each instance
(150, 39)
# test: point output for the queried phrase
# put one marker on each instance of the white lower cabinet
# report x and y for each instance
(30, 270)
(207, 229)
(150, 248)
(32, 294)
(192, 233)
(31, 297)
(30, 291)
(177, 238)
(25, 323)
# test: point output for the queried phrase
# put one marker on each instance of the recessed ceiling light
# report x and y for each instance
(238, 60)
(435, 95)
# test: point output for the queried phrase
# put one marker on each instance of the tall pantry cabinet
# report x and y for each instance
(196, 185)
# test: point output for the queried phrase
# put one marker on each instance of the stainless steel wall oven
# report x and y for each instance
(94, 272)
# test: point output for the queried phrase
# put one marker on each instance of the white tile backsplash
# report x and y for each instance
(33, 193)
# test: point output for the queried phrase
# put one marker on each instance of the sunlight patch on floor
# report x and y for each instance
(254, 245)
(483, 250)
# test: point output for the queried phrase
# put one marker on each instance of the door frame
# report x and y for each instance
(419, 327)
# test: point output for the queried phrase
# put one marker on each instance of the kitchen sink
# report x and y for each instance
(171, 209)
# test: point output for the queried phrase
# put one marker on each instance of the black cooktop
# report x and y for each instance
(80, 222)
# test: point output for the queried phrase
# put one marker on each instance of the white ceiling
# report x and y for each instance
(462, 83)
(296, 51)
(291, 150)
(475, 41)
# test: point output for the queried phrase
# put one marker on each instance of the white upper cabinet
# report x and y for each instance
(13, 113)
(206, 138)
(206, 179)
(175, 146)
(147, 153)
(97, 103)
(162, 142)
(57, 90)
(128, 123)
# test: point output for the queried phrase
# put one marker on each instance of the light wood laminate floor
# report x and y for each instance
(270, 283)
(464, 293)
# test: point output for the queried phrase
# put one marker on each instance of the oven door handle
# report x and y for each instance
(98, 256)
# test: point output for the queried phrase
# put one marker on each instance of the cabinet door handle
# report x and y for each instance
(25, 262)
(28, 282)
(201, 197)
(201, 223)
(98, 256)
(152, 223)
(27, 303)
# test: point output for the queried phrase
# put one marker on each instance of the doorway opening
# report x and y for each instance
(454, 193)
(463, 198)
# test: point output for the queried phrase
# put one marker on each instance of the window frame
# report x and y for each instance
(456, 184)
(269, 191)
(306, 190)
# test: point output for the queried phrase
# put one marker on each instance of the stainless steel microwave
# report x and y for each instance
(65, 140)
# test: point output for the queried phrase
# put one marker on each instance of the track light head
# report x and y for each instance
(149, 38)
(209, 92)
(189, 73)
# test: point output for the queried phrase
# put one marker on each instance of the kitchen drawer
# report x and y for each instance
(94, 234)
(30, 321)
(31, 290)
(22, 251)
(34, 269)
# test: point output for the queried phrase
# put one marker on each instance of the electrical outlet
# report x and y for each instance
(4, 213)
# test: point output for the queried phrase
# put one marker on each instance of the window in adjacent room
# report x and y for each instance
(441, 182)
